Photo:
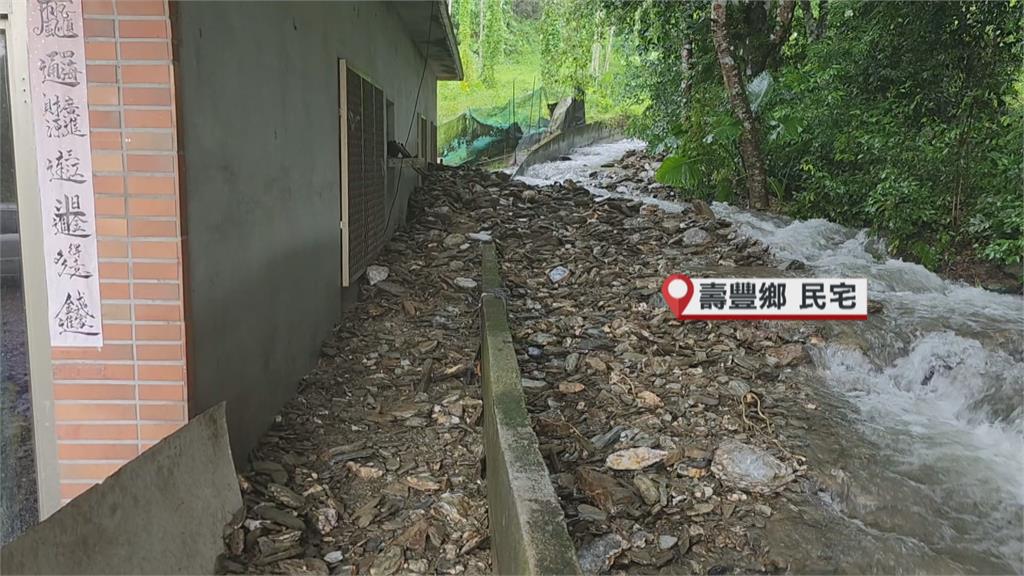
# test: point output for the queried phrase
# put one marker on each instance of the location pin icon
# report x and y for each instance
(677, 291)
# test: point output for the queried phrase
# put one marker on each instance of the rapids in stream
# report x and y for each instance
(919, 451)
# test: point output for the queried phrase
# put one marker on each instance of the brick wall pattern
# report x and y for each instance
(113, 402)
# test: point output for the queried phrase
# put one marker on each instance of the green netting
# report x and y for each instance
(481, 134)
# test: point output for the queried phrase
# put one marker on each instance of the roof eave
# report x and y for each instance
(429, 25)
(453, 42)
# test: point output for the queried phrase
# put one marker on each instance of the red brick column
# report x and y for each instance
(114, 402)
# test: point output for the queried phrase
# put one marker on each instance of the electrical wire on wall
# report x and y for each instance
(415, 107)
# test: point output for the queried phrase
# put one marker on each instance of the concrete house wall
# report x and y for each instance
(259, 137)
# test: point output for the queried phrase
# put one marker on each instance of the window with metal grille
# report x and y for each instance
(363, 162)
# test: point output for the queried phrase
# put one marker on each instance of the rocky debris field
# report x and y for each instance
(375, 467)
(633, 174)
(666, 441)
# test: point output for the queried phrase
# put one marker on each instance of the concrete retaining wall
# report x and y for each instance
(162, 513)
(562, 143)
(528, 534)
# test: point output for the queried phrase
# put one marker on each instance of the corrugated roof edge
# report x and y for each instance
(453, 41)
(442, 47)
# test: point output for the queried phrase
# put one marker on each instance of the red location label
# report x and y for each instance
(677, 291)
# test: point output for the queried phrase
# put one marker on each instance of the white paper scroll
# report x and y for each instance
(60, 108)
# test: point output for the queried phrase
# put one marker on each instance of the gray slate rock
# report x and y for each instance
(696, 237)
(596, 556)
(749, 468)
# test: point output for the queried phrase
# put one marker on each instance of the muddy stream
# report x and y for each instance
(916, 461)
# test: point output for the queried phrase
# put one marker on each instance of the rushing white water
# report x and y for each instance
(939, 385)
(937, 382)
(581, 162)
(910, 288)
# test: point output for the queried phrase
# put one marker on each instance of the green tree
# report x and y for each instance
(750, 132)
(898, 116)
(464, 22)
(745, 41)
(569, 30)
(492, 43)
(910, 126)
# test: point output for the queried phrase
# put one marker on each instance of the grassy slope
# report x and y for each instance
(524, 69)
(454, 98)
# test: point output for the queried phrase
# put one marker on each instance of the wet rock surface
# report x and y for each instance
(633, 173)
(889, 488)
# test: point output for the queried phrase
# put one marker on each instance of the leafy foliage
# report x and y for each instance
(569, 31)
(903, 117)
(908, 126)
(558, 47)
(464, 15)
(492, 45)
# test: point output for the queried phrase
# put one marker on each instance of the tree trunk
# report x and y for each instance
(608, 50)
(809, 24)
(750, 140)
(686, 65)
(822, 25)
(756, 48)
(480, 37)
(815, 28)
(783, 24)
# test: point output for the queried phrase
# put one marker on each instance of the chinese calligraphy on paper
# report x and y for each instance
(59, 101)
